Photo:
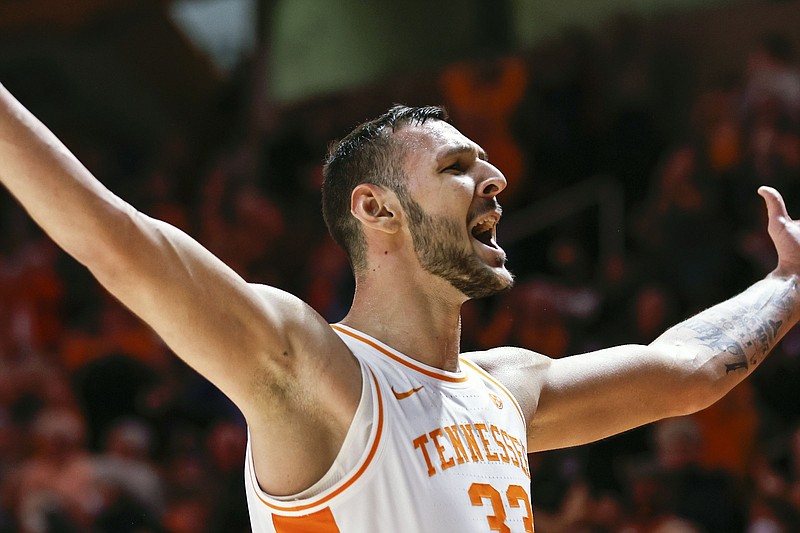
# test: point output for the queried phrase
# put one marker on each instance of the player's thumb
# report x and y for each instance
(776, 209)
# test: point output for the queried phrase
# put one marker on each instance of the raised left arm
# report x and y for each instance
(587, 397)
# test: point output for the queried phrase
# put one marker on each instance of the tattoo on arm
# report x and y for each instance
(746, 327)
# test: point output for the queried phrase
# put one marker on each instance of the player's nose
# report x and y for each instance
(492, 183)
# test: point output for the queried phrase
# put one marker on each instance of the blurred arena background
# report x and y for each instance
(633, 134)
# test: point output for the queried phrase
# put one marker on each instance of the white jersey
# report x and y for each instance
(445, 453)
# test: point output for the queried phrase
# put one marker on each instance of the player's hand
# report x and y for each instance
(784, 232)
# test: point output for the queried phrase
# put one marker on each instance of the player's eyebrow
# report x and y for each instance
(462, 149)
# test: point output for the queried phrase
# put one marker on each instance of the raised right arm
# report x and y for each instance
(262, 347)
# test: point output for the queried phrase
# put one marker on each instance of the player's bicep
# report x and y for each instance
(205, 312)
(591, 396)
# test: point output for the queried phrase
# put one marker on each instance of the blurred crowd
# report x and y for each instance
(102, 429)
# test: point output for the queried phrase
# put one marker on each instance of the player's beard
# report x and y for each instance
(437, 243)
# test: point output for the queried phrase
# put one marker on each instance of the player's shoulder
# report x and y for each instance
(507, 359)
(273, 293)
(284, 303)
(297, 318)
(521, 371)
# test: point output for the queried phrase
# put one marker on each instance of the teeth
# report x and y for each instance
(483, 230)
(484, 224)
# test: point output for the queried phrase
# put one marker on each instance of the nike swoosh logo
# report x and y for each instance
(406, 394)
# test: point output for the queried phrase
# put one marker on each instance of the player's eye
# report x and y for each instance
(455, 167)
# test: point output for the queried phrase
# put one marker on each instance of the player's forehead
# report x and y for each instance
(435, 140)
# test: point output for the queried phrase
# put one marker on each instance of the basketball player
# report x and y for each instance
(378, 423)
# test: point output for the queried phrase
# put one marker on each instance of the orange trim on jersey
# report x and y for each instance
(346, 484)
(321, 521)
(395, 357)
(499, 385)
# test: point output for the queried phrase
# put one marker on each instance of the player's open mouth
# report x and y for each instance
(483, 230)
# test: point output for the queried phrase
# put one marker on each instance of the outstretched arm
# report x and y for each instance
(251, 342)
(587, 397)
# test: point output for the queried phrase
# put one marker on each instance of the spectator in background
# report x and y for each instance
(225, 445)
(772, 515)
(528, 317)
(775, 475)
(58, 482)
(127, 473)
(770, 117)
(483, 97)
(648, 511)
(682, 201)
(773, 79)
(712, 499)
(733, 420)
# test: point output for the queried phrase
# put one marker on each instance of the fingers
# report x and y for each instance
(776, 209)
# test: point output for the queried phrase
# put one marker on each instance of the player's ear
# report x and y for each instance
(376, 207)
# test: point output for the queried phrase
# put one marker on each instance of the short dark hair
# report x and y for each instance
(367, 155)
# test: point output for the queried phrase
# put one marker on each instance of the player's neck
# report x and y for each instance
(418, 317)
